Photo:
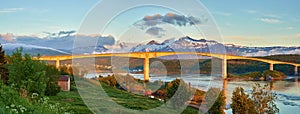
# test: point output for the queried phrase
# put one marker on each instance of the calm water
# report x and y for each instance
(288, 91)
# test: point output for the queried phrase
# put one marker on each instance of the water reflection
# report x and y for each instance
(287, 92)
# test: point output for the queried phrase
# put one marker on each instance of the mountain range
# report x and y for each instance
(189, 44)
(106, 44)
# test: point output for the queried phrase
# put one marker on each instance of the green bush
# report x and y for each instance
(262, 101)
(241, 103)
(52, 86)
(10, 99)
(273, 73)
(3, 69)
(52, 89)
(178, 93)
(32, 76)
(12, 102)
(27, 75)
(215, 99)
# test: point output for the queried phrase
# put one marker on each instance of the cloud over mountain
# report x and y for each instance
(60, 33)
(62, 41)
(169, 18)
(151, 23)
(5, 38)
(156, 31)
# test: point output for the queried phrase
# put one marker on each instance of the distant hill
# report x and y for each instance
(286, 58)
(235, 67)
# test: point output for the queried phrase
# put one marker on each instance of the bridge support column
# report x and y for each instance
(57, 64)
(224, 67)
(271, 66)
(296, 70)
(146, 69)
(225, 91)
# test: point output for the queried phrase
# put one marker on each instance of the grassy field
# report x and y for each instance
(112, 101)
(72, 101)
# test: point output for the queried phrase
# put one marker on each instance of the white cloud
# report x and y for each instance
(10, 10)
(269, 20)
(251, 11)
(222, 13)
(272, 16)
(288, 28)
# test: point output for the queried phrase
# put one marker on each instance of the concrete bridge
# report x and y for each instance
(148, 55)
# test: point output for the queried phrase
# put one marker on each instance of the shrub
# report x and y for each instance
(12, 102)
(241, 103)
(3, 69)
(31, 76)
(215, 99)
(178, 92)
(263, 101)
(52, 86)
(27, 75)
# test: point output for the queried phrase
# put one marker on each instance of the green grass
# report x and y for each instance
(112, 101)
(140, 102)
(130, 100)
(72, 101)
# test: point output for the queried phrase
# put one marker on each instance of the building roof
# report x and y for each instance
(64, 78)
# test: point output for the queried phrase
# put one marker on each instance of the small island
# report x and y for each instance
(267, 75)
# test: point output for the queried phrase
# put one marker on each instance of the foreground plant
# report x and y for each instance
(262, 101)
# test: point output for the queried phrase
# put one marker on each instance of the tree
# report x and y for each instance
(178, 92)
(264, 99)
(52, 86)
(241, 102)
(3, 69)
(27, 75)
(31, 76)
(215, 99)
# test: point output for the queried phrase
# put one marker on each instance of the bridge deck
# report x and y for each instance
(160, 54)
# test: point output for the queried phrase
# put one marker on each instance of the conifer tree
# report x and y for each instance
(3, 69)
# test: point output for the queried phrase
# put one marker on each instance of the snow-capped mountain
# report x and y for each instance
(185, 44)
(107, 44)
(188, 44)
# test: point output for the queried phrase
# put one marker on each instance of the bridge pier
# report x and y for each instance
(57, 64)
(271, 66)
(146, 69)
(225, 91)
(224, 67)
(296, 70)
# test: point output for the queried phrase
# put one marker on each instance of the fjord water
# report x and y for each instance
(287, 90)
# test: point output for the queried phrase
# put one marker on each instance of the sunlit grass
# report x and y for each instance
(127, 102)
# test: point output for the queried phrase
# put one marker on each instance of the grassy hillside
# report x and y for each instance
(105, 102)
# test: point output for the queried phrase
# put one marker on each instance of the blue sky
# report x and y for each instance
(245, 22)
